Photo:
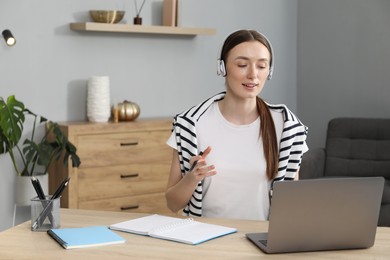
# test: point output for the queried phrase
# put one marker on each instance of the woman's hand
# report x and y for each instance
(180, 188)
(199, 168)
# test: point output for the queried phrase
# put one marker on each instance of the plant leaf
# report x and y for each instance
(11, 123)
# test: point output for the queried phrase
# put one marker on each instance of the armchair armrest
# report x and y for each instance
(313, 164)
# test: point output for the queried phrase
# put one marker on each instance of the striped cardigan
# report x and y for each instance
(292, 146)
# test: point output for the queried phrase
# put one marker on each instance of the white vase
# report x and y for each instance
(24, 190)
(98, 99)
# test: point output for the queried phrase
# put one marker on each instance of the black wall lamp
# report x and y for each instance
(8, 37)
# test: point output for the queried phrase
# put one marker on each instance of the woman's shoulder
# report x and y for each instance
(195, 112)
(277, 107)
(288, 115)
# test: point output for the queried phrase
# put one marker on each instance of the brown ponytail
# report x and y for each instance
(268, 134)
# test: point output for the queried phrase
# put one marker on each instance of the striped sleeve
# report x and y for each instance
(184, 126)
(292, 144)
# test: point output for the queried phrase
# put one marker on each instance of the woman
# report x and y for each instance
(229, 149)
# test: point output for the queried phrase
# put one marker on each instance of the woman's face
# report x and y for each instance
(247, 67)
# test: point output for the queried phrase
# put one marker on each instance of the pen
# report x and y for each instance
(41, 194)
(60, 189)
(48, 207)
(38, 188)
(195, 163)
(42, 216)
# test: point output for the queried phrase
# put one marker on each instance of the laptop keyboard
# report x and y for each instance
(263, 241)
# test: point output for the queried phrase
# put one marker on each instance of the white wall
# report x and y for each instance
(343, 62)
(48, 67)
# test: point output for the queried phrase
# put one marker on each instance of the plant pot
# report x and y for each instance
(24, 190)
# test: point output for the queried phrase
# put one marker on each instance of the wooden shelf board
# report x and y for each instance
(145, 29)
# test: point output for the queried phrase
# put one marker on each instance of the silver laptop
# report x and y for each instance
(322, 214)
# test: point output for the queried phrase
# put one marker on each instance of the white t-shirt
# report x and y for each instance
(240, 188)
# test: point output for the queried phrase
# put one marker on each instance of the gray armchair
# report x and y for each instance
(355, 147)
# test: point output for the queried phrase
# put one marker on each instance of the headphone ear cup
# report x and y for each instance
(221, 70)
(271, 70)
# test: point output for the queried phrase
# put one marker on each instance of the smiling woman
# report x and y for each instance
(248, 68)
(248, 144)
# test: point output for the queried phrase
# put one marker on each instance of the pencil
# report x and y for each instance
(195, 163)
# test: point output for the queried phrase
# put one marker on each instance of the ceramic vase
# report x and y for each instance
(98, 99)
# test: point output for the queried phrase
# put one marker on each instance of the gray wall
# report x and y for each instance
(48, 67)
(343, 62)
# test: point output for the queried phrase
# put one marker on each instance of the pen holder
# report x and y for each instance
(45, 214)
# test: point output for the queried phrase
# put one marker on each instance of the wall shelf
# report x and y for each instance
(142, 29)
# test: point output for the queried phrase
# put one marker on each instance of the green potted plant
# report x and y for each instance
(33, 156)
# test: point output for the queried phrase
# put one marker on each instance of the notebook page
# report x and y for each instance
(192, 232)
(144, 225)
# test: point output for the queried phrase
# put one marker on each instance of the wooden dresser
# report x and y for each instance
(124, 166)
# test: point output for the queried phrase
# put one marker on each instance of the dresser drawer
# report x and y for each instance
(118, 181)
(123, 148)
(151, 203)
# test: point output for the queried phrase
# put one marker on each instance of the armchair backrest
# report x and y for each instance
(358, 147)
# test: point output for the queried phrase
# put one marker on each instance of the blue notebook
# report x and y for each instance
(70, 238)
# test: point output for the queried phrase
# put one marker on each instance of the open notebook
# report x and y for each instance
(186, 231)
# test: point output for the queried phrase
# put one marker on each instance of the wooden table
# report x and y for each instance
(21, 243)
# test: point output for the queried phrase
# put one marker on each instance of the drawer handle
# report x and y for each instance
(130, 207)
(131, 175)
(129, 143)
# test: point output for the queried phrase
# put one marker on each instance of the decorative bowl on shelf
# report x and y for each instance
(107, 16)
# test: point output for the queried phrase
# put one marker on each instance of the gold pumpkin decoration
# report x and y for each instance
(128, 111)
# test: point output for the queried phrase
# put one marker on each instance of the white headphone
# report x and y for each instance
(221, 69)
